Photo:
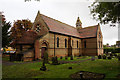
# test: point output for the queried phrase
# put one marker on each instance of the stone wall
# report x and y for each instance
(61, 50)
(99, 39)
(29, 55)
(91, 47)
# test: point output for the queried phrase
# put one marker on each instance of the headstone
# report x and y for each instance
(92, 58)
(69, 67)
(81, 75)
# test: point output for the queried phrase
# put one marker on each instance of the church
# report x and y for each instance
(59, 39)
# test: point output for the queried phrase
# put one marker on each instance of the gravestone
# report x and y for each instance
(92, 58)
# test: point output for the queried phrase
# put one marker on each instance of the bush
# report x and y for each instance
(61, 57)
(71, 57)
(111, 49)
(55, 61)
(99, 57)
(66, 57)
(109, 57)
(119, 57)
(79, 55)
(115, 55)
(104, 56)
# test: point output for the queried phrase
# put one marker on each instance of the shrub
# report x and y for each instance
(55, 61)
(115, 55)
(99, 57)
(104, 56)
(66, 57)
(61, 57)
(119, 57)
(71, 57)
(111, 49)
(109, 57)
(79, 55)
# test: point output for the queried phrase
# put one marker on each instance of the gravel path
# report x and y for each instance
(8, 63)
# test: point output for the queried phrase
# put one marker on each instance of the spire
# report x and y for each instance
(78, 20)
(78, 23)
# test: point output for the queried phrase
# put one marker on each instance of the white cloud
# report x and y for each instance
(63, 10)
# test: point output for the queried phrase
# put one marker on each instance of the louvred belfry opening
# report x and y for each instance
(78, 23)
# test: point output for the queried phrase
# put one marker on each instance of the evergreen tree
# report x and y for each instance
(6, 34)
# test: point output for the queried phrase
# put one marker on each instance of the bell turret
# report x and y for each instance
(78, 23)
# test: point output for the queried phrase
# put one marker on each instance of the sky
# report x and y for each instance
(65, 11)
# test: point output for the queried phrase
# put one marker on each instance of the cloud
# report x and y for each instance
(63, 10)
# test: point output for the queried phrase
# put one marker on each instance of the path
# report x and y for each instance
(8, 63)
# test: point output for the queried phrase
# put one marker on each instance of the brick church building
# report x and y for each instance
(59, 39)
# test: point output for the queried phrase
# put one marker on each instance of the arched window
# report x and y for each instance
(84, 44)
(77, 44)
(57, 42)
(99, 35)
(65, 43)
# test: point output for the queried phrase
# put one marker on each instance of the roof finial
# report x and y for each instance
(38, 11)
(78, 20)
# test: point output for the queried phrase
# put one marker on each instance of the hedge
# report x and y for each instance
(112, 50)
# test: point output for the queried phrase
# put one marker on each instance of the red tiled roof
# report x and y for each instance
(59, 27)
(88, 31)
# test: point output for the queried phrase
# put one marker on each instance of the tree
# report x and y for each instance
(18, 27)
(5, 32)
(106, 12)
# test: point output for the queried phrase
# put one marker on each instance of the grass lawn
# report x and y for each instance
(5, 58)
(75, 58)
(32, 70)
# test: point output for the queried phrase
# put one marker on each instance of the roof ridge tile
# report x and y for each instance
(90, 26)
